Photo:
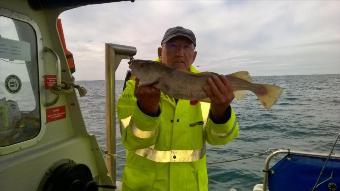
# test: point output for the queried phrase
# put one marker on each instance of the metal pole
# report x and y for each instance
(109, 112)
(113, 55)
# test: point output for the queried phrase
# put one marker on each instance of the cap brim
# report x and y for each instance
(178, 35)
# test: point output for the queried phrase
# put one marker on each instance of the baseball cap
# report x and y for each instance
(179, 31)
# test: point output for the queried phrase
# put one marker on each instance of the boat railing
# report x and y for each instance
(324, 156)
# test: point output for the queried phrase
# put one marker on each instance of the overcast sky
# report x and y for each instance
(262, 37)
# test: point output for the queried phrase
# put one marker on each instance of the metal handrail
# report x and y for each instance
(288, 151)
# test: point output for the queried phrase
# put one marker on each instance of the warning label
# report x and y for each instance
(49, 81)
(55, 113)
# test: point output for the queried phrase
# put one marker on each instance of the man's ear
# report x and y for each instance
(194, 57)
(160, 53)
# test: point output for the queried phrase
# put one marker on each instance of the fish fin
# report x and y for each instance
(144, 83)
(148, 83)
(240, 94)
(207, 72)
(244, 75)
(159, 83)
(268, 94)
(205, 100)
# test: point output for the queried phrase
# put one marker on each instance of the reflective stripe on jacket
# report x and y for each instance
(167, 152)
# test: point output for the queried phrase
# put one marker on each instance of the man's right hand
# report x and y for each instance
(147, 98)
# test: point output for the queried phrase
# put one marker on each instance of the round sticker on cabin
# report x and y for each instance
(13, 84)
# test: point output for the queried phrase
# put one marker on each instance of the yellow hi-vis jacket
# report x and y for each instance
(167, 152)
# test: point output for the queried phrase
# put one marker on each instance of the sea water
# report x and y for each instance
(306, 117)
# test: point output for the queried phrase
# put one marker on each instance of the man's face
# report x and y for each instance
(178, 53)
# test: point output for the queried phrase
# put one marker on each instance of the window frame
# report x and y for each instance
(39, 45)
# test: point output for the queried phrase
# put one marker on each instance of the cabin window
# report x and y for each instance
(19, 92)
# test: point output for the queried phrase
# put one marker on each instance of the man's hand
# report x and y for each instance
(147, 98)
(220, 92)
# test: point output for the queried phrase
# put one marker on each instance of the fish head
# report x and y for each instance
(145, 70)
(139, 67)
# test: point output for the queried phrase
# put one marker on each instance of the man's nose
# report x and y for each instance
(180, 51)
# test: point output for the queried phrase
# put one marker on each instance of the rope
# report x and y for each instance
(243, 158)
(324, 164)
(213, 162)
(113, 155)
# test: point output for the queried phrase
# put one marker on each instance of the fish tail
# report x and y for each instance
(268, 94)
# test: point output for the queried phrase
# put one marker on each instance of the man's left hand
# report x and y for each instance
(220, 92)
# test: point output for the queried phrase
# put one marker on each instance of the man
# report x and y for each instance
(165, 138)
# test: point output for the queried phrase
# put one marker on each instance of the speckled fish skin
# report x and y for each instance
(186, 85)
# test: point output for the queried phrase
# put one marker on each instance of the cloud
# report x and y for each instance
(265, 37)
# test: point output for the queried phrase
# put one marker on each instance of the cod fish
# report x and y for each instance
(187, 85)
